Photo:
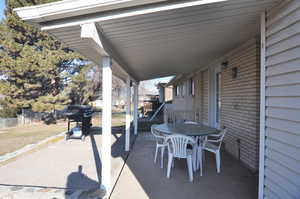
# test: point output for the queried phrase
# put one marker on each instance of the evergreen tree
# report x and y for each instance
(34, 67)
(85, 85)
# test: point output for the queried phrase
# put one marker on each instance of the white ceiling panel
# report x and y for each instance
(163, 43)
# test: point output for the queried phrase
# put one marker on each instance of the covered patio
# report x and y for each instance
(138, 40)
(142, 178)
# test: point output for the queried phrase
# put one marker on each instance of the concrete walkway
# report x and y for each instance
(143, 179)
(61, 169)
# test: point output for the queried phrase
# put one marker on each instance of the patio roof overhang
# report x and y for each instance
(150, 38)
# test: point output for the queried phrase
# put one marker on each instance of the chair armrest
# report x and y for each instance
(215, 141)
(214, 135)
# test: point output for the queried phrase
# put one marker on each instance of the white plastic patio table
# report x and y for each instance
(186, 129)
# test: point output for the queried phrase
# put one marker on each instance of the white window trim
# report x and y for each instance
(182, 89)
(191, 84)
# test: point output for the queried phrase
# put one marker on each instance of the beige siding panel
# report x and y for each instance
(283, 113)
(240, 103)
(278, 80)
(285, 56)
(293, 191)
(283, 91)
(282, 148)
(290, 151)
(283, 22)
(284, 45)
(271, 194)
(283, 34)
(285, 10)
(205, 97)
(288, 67)
(198, 96)
(239, 98)
(284, 102)
(283, 169)
(189, 107)
(283, 125)
(286, 138)
(277, 189)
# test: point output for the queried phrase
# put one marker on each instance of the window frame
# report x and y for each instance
(182, 90)
(192, 87)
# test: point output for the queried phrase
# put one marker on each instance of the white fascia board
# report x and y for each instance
(100, 17)
(71, 8)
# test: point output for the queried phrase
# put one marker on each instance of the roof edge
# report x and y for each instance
(71, 8)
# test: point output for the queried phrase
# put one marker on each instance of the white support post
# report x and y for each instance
(106, 123)
(136, 106)
(128, 115)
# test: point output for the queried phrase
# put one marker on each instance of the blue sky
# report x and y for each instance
(2, 6)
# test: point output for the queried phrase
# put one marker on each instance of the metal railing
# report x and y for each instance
(175, 115)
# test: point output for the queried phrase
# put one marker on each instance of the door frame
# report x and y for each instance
(212, 110)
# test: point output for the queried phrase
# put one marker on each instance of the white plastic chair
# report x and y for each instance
(197, 140)
(214, 146)
(177, 148)
(160, 144)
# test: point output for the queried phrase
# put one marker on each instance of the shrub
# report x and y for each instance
(8, 112)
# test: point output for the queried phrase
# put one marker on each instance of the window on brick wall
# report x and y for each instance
(176, 90)
(182, 89)
(192, 87)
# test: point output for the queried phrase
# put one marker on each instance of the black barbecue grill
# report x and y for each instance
(82, 115)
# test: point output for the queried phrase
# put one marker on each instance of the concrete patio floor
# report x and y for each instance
(141, 178)
(65, 166)
(57, 167)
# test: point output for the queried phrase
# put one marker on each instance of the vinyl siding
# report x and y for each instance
(239, 101)
(198, 98)
(282, 141)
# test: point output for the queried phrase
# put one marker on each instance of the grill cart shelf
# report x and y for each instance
(81, 115)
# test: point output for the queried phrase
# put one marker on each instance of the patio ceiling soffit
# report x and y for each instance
(55, 22)
(60, 15)
(93, 36)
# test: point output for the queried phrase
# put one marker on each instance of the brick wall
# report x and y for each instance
(239, 101)
(198, 98)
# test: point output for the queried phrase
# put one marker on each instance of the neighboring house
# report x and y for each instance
(118, 97)
(165, 92)
(237, 64)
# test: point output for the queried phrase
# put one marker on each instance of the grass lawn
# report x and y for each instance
(118, 119)
(12, 139)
